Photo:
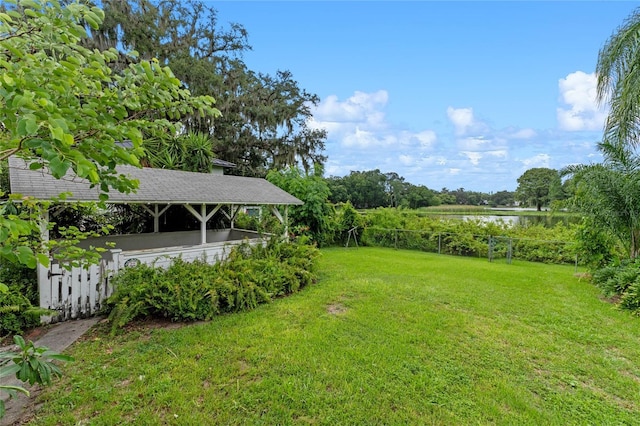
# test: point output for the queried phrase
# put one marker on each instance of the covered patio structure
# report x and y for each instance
(80, 292)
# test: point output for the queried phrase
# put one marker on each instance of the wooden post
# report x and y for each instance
(203, 217)
(156, 215)
(44, 280)
(156, 219)
(286, 223)
(203, 224)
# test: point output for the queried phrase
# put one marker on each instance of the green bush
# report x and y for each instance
(595, 247)
(621, 280)
(21, 279)
(18, 304)
(346, 218)
(190, 291)
(410, 229)
(615, 279)
(266, 223)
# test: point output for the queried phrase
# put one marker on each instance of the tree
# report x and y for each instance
(315, 215)
(63, 107)
(339, 192)
(534, 186)
(502, 198)
(420, 196)
(264, 117)
(609, 194)
(618, 75)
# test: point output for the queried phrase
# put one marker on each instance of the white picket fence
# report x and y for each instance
(81, 292)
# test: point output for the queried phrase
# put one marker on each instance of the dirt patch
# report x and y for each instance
(614, 300)
(6, 342)
(336, 309)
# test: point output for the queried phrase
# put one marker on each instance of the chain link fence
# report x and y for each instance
(494, 248)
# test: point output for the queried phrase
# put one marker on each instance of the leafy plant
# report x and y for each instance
(622, 281)
(190, 291)
(31, 364)
(315, 217)
(409, 229)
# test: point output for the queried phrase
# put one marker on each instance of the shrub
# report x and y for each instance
(190, 291)
(596, 248)
(31, 364)
(18, 304)
(410, 229)
(621, 280)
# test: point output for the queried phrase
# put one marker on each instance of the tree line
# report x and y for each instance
(537, 187)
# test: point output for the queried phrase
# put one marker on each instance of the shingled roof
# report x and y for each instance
(157, 186)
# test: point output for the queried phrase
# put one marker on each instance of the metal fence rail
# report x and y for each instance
(494, 248)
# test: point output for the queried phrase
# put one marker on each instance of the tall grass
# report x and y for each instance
(454, 209)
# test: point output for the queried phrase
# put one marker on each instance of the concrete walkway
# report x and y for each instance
(58, 337)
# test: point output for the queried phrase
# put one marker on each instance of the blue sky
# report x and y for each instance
(447, 94)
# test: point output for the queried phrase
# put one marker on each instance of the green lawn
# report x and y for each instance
(385, 337)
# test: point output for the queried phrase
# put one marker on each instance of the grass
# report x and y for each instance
(454, 209)
(446, 209)
(385, 337)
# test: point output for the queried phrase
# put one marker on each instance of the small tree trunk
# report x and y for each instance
(635, 240)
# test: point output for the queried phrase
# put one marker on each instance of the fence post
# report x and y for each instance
(509, 252)
(395, 241)
(439, 241)
(490, 250)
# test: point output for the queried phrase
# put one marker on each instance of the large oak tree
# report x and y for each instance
(264, 117)
(535, 186)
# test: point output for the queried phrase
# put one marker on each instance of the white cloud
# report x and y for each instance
(474, 157)
(359, 122)
(360, 138)
(426, 138)
(423, 140)
(539, 160)
(406, 160)
(473, 143)
(581, 111)
(357, 108)
(465, 123)
(523, 134)
(462, 118)
(499, 153)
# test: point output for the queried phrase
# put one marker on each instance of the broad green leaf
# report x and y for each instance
(15, 389)
(67, 139)
(31, 126)
(29, 3)
(58, 167)
(92, 22)
(7, 79)
(26, 256)
(43, 259)
(57, 133)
